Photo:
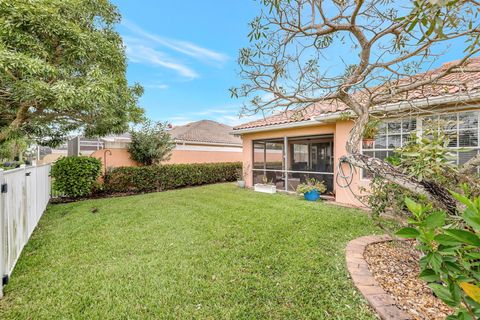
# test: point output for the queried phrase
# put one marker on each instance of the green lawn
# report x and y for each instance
(213, 252)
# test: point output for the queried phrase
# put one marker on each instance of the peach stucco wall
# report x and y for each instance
(121, 157)
(117, 158)
(196, 156)
(340, 130)
(346, 195)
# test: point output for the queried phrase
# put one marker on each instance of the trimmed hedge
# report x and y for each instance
(167, 177)
(76, 176)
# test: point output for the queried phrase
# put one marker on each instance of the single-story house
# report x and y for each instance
(290, 147)
(202, 141)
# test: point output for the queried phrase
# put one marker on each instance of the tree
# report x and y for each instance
(63, 68)
(294, 62)
(13, 149)
(151, 143)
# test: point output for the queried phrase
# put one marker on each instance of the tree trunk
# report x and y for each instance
(431, 190)
(19, 120)
(470, 165)
(434, 192)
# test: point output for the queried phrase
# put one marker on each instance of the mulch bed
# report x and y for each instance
(395, 266)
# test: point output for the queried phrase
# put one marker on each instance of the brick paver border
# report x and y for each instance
(363, 279)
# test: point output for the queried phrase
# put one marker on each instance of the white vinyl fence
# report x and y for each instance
(25, 193)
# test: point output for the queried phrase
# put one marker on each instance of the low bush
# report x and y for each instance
(167, 177)
(76, 176)
(451, 247)
(427, 159)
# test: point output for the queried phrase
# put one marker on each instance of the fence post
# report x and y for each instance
(3, 232)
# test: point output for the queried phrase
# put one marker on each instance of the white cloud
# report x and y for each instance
(185, 47)
(229, 109)
(157, 86)
(235, 120)
(227, 115)
(179, 121)
(140, 53)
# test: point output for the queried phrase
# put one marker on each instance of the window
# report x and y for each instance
(462, 128)
(268, 155)
(268, 162)
(391, 135)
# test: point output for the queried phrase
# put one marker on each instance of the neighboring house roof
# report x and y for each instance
(205, 131)
(452, 84)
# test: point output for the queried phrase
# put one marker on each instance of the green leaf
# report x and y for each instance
(464, 236)
(435, 260)
(414, 207)
(435, 220)
(432, 260)
(472, 218)
(445, 240)
(408, 233)
(473, 255)
(453, 267)
(429, 275)
(463, 199)
(443, 293)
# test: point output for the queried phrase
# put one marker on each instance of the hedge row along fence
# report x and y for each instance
(75, 176)
(167, 177)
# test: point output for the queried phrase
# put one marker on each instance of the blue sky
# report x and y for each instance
(184, 54)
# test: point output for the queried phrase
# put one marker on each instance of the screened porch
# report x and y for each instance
(289, 161)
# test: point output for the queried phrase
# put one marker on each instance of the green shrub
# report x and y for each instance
(76, 176)
(451, 264)
(167, 177)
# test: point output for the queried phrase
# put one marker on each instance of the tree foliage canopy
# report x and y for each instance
(151, 143)
(63, 68)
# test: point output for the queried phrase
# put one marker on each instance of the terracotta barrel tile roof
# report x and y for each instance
(205, 131)
(299, 115)
(452, 84)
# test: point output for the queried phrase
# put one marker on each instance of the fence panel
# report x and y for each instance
(23, 200)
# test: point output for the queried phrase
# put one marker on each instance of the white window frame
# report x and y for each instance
(419, 130)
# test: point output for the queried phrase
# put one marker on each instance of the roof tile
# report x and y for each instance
(205, 131)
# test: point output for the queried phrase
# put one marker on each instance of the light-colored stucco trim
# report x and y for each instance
(281, 126)
(219, 144)
(188, 147)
